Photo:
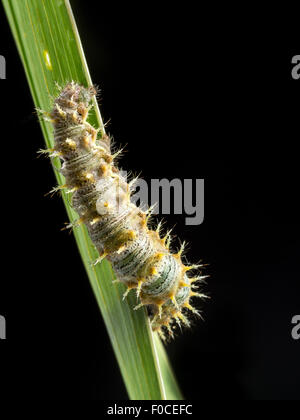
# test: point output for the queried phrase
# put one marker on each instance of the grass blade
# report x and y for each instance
(49, 45)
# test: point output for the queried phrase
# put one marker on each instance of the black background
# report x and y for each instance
(193, 94)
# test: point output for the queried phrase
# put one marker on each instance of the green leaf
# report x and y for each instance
(49, 45)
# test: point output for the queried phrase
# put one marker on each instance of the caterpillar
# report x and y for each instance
(119, 230)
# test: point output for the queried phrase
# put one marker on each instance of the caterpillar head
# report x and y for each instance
(74, 95)
(84, 95)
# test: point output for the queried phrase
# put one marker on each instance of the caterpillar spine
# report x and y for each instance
(140, 257)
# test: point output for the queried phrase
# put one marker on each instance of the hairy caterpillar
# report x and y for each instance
(118, 228)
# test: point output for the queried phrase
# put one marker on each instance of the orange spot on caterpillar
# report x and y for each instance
(70, 143)
(89, 177)
(153, 271)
